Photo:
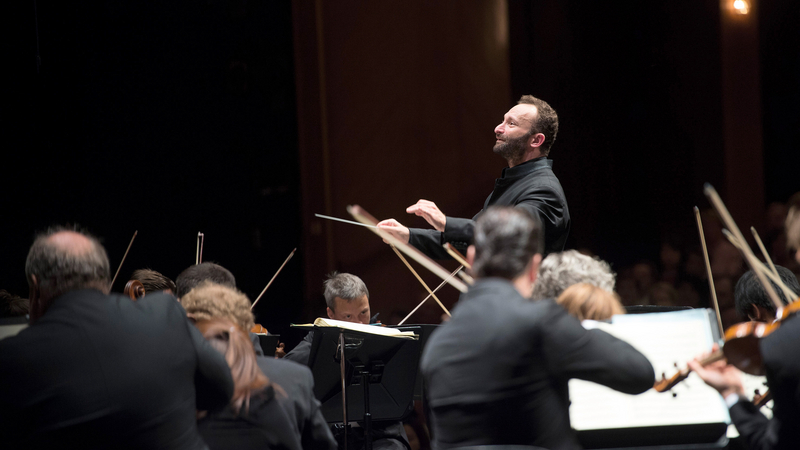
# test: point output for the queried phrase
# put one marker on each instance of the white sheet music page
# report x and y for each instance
(665, 339)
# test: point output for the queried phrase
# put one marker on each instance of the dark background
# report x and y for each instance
(176, 117)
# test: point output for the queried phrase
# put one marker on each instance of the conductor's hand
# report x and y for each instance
(720, 375)
(394, 228)
(430, 212)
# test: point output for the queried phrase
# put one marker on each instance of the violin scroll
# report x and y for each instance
(134, 289)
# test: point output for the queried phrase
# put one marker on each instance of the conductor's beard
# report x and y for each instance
(511, 149)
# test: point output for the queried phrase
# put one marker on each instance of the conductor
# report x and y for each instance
(524, 140)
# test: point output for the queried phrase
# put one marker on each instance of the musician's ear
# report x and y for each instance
(534, 267)
(34, 298)
(471, 255)
(330, 313)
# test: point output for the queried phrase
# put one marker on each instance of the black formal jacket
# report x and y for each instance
(782, 362)
(262, 425)
(497, 371)
(102, 371)
(531, 186)
(299, 403)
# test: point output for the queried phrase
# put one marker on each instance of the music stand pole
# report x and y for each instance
(367, 414)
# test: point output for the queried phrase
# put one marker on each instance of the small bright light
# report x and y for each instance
(741, 6)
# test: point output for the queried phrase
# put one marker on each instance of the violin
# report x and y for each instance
(258, 329)
(742, 341)
(668, 383)
(134, 289)
(741, 348)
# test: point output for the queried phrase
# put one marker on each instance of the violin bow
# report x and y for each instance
(402, 258)
(708, 269)
(273, 278)
(123, 260)
(198, 257)
(429, 296)
(461, 259)
(752, 261)
(364, 217)
(452, 251)
(763, 250)
(764, 270)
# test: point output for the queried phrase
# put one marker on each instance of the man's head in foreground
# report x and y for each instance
(507, 244)
(62, 260)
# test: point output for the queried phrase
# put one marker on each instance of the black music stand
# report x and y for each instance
(268, 343)
(379, 376)
(424, 332)
(10, 326)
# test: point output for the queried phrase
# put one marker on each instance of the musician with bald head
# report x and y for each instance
(497, 371)
(96, 370)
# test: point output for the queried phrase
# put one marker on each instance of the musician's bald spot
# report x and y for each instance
(71, 242)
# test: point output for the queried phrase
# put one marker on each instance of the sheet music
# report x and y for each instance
(665, 339)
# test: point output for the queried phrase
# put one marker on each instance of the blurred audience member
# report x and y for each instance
(589, 302)
(727, 304)
(793, 231)
(671, 258)
(644, 273)
(662, 294)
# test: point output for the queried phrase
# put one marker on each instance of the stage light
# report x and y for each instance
(741, 6)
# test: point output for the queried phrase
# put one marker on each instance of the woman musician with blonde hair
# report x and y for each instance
(589, 302)
(254, 418)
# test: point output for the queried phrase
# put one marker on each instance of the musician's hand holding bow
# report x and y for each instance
(430, 212)
(394, 228)
(720, 375)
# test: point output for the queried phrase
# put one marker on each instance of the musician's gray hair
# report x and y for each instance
(561, 270)
(344, 286)
(505, 239)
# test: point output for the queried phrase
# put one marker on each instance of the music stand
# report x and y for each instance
(268, 343)
(10, 326)
(379, 376)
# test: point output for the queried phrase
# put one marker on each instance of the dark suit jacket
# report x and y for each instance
(302, 351)
(100, 371)
(265, 425)
(531, 186)
(300, 404)
(497, 372)
(782, 362)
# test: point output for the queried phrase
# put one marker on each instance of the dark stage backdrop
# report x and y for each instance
(243, 119)
(164, 117)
